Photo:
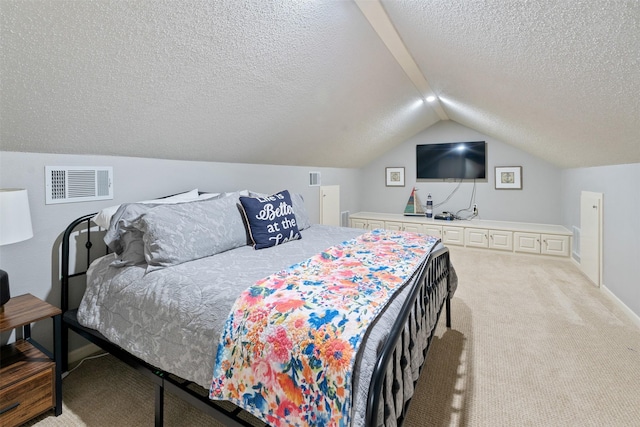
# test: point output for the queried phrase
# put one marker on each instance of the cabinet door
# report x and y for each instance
(502, 240)
(527, 242)
(553, 244)
(432, 230)
(476, 237)
(392, 225)
(358, 223)
(374, 223)
(452, 235)
(412, 227)
(330, 205)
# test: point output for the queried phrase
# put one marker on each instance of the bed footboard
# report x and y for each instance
(412, 332)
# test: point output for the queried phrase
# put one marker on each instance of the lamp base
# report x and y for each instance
(4, 289)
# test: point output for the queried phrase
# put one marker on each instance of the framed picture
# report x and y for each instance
(394, 177)
(508, 177)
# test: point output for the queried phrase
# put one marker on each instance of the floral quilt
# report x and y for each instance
(289, 345)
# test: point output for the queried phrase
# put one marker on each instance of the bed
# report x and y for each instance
(164, 296)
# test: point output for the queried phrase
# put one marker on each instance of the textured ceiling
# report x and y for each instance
(312, 83)
(558, 79)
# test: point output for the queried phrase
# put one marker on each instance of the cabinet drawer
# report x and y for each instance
(33, 396)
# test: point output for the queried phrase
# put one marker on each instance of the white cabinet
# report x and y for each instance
(358, 223)
(393, 226)
(432, 230)
(373, 224)
(527, 242)
(452, 235)
(413, 227)
(493, 239)
(367, 224)
(542, 239)
(553, 244)
(546, 244)
(476, 237)
(501, 240)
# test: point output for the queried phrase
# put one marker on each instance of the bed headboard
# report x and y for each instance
(65, 275)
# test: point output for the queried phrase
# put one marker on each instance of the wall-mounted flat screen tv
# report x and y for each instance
(452, 160)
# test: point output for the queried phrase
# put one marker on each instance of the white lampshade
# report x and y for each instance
(15, 217)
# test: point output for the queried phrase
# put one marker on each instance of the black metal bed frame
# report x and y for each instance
(433, 273)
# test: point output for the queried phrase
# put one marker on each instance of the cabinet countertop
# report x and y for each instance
(473, 223)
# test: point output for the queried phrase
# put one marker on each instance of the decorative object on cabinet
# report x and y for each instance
(414, 207)
(394, 177)
(15, 226)
(508, 177)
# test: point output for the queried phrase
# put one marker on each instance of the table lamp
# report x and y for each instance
(15, 226)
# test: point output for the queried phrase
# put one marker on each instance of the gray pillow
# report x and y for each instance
(174, 234)
(302, 217)
(123, 237)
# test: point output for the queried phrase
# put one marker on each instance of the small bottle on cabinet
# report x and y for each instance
(429, 212)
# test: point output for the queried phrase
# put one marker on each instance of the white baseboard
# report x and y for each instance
(82, 352)
(633, 316)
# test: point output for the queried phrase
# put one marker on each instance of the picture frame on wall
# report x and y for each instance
(394, 177)
(508, 178)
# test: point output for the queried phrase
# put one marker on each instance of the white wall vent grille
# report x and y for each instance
(576, 243)
(314, 179)
(344, 219)
(67, 184)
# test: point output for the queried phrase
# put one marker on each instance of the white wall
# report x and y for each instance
(538, 201)
(32, 265)
(620, 186)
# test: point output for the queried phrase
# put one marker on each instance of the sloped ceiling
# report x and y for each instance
(312, 83)
(559, 79)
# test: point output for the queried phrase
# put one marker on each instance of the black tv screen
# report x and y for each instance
(452, 160)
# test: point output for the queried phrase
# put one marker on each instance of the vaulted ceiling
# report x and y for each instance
(318, 83)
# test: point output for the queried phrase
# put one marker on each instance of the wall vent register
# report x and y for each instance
(68, 184)
(314, 179)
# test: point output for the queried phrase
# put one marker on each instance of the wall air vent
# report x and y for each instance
(314, 179)
(68, 184)
(344, 219)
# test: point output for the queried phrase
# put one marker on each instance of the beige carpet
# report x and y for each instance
(533, 343)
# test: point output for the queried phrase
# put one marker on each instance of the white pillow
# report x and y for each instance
(103, 218)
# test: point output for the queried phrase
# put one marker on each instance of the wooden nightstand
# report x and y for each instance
(30, 376)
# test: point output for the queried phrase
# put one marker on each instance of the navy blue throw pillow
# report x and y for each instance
(270, 220)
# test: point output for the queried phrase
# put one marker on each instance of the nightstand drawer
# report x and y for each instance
(26, 399)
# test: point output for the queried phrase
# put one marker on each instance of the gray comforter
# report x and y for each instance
(172, 318)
